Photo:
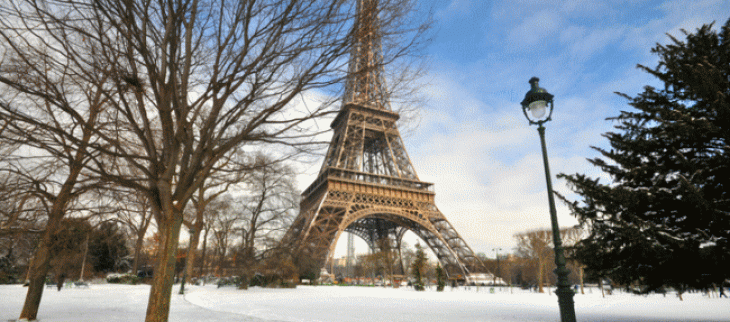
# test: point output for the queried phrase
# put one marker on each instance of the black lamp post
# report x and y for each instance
(539, 103)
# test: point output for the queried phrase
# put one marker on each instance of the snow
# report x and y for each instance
(112, 302)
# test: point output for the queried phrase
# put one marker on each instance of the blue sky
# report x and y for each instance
(472, 140)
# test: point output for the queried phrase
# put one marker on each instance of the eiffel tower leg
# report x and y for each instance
(331, 251)
(399, 245)
(468, 260)
(308, 216)
(400, 268)
(444, 255)
(308, 238)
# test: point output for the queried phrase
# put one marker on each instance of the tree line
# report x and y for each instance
(237, 228)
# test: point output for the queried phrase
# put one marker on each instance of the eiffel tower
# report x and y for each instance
(367, 185)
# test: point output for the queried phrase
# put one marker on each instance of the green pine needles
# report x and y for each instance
(664, 219)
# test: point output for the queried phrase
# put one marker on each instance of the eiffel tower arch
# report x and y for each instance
(367, 185)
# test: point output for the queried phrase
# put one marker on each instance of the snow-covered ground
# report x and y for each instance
(109, 302)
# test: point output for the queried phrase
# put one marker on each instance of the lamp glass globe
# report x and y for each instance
(538, 108)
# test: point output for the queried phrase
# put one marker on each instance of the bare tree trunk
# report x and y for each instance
(221, 262)
(580, 276)
(158, 307)
(83, 260)
(540, 273)
(28, 270)
(680, 291)
(203, 269)
(390, 268)
(194, 240)
(400, 260)
(39, 269)
(600, 284)
(146, 217)
(137, 250)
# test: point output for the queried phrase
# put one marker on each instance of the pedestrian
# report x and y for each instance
(722, 291)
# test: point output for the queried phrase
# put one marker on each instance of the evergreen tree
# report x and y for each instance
(665, 217)
(108, 248)
(440, 278)
(418, 268)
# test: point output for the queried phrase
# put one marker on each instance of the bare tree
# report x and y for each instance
(135, 214)
(20, 225)
(253, 222)
(407, 255)
(223, 224)
(178, 85)
(42, 95)
(197, 224)
(367, 266)
(212, 211)
(386, 259)
(267, 208)
(536, 245)
(231, 172)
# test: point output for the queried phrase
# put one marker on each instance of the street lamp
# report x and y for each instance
(539, 103)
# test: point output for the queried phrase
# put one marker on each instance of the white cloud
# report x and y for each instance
(677, 14)
(454, 9)
(571, 33)
(591, 8)
(535, 28)
(594, 41)
(486, 166)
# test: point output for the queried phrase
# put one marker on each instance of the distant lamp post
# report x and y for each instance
(538, 108)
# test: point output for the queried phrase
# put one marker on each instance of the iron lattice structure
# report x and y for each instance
(367, 185)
